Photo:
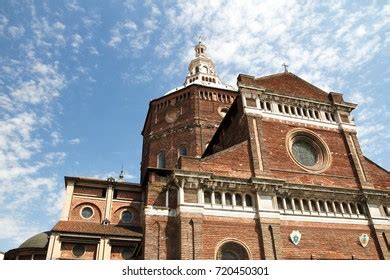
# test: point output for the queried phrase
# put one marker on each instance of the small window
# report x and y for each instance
(293, 110)
(288, 204)
(280, 203)
(330, 207)
(386, 210)
(87, 212)
(161, 159)
(338, 208)
(78, 250)
(218, 198)
(317, 114)
(299, 112)
(182, 151)
(238, 200)
(313, 205)
(297, 204)
(126, 217)
(353, 208)
(228, 199)
(248, 200)
(360, 209)
(286, 109)
(207, 197)
(345, 208)
(322, 206)
(268, 106)
(280, 108)
(305, 205)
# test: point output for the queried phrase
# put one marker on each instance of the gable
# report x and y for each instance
(286, 84)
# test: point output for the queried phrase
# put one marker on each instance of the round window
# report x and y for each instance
(87, 212)
(78, 250)
(127, 217)
(304, 153)
(128, 252)
(308, 150)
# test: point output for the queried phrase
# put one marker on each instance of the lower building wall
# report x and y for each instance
(161, 238)
(217, 230)
(66, 251)
(327, 241)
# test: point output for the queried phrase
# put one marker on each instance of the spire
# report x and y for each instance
(201, 69)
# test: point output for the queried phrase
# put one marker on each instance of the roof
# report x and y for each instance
(99, 181)
(96, 229)
(40, 240)
(380, 177)
(286, 83)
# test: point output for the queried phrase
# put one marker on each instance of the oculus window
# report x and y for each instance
(78, 250)
(308, 150)
(86, 212)
(126, 217)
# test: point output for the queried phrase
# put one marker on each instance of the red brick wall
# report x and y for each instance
(66, 251)
(340, 174)
(98, 207)
(119, 207)
(197, 118)
(161, 240)
(232, 162)
(218, 229)
(128, 195)
(326, 241)
(98, 192)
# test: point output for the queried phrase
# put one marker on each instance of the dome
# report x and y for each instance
(40, 240)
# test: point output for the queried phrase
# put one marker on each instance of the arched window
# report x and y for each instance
(228, 199)
(218, 198)
(280, 203)
(330, 207)
(248, 200)
(313, 205)
(232, 251)
(182, 151)
(297, 204)
(322, 206)
(305, 205)
(345, 207)
(338, 207)
(288, 204)
(353, 208)
(360, 209)
(207, 197)
(197, 69)
(161, 159)
(238, 199)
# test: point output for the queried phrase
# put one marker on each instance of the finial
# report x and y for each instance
(200, 38)
(285, 67)
(121, 176)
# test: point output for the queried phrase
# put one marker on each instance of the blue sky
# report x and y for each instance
(76, 78)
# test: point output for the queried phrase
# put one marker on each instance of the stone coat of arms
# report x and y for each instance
(364, 238)
(295, 237)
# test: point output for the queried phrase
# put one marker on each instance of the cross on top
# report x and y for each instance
(285, 67)
(200, 38)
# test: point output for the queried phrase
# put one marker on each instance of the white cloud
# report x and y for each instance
(16, 31)
(122, 31)
(73, 5)
(74, 141)
(77, 40)
(3, 23)
(55, 138)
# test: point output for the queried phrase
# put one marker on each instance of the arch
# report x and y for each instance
(97, 214)
(305, 204)
(330, 206)
(313, 205)
(232, 249)
(321, 203)
(288, 203)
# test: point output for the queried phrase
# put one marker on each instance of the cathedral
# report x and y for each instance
(269, 170)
